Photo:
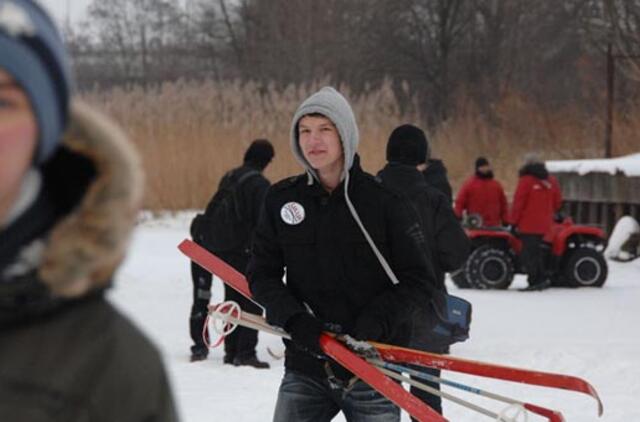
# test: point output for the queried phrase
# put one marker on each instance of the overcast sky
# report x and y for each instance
(58, 8)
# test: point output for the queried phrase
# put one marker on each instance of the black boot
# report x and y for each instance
(199, 353)
(250, 361)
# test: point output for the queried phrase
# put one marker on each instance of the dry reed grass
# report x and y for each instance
(190, 134)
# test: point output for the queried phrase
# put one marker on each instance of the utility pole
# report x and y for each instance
(611, 72)
(611, 68)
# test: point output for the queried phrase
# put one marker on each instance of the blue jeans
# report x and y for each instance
(305, 399)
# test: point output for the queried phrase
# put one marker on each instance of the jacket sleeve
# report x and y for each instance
(519, 200)
(407, 257)
(461, 200)
(451, 242)
(266, 270)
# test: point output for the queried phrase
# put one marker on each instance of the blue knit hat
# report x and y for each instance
(32, 52)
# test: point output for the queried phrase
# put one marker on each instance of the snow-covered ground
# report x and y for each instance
(591, 333)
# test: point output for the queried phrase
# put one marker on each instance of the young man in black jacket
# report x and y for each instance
(330, 228)
(70, 189)
(407, 151)
(226, 228)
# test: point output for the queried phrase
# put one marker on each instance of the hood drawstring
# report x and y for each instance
(383, 262)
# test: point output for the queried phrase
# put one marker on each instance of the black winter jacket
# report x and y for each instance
(436, 176)
(329, 265)
(446, 240)
(247, 189)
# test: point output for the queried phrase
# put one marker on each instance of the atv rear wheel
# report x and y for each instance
(489, 267)
(585, 267)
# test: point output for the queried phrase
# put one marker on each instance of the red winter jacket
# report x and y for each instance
(483, 196)
(536, 200)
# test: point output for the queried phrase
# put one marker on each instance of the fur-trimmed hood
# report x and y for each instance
(95, 210)
(87, 246)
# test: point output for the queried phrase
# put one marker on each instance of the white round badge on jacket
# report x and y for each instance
(292, 213)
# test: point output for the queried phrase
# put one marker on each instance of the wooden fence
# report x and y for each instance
(600, 199)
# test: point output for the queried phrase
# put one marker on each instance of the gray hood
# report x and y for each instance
(335, 107)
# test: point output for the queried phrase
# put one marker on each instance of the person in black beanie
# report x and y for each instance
(448, 245)
(409, 143)
(226, 229)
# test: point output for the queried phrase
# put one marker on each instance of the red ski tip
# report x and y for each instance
(551, 415)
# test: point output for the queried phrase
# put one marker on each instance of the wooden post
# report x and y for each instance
(608, 136)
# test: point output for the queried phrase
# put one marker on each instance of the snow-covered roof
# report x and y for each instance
(628, 165)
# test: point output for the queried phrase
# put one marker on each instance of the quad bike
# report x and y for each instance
(573, 256)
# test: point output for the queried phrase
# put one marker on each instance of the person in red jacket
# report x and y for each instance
(535, 202)
(483, 195)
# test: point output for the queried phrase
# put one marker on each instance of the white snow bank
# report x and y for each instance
(628, 165)
(624, 228)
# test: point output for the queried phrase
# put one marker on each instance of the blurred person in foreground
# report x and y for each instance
(70, 187)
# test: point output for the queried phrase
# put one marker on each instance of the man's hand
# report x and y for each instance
(305, 330)
(368, 328)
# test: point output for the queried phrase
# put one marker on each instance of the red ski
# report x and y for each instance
(402, 355)
(332, 347)
(257, 322)
(488, 370)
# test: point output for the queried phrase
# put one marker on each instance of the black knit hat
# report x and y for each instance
(407, 145)
(259, 154)
(481, 161)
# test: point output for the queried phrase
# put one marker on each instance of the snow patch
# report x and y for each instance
(628, 165)
(625, 227)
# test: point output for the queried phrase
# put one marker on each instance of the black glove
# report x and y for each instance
(305, 330)
(369, 328)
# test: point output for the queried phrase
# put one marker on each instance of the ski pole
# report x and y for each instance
(257, 323)
(435, 392)
(552, 415)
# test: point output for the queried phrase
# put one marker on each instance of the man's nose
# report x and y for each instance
(315, 136)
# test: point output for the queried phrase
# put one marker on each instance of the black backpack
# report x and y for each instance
(223, 226)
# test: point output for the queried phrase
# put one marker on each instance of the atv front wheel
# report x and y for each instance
(489, 267)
